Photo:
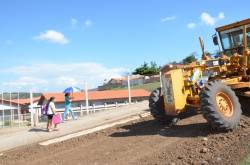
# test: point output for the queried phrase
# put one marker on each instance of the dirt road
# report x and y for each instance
(143, 142)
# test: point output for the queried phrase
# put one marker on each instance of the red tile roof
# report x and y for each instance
(25, 101)
(21, 101)
(99, 95)
(8, 102)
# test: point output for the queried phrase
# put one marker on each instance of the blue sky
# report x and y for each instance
(49, 45)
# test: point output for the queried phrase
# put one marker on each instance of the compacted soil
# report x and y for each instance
(144, 141)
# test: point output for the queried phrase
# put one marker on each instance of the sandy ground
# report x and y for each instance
(144, 141)
(15, 137)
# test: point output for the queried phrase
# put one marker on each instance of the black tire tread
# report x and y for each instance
(210, 111)
(156, 105)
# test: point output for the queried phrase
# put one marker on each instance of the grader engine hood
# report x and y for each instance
(173, 92)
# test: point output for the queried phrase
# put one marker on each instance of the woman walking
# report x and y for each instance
(68, 109)
(50, 113)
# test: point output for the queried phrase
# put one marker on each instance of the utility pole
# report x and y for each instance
(31, 109)
(18, 109)
(10, 100)
(86, 97)
(11, 111)
(129, 92)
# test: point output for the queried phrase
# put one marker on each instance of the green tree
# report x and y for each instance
(146, 69)
(208, 53)
(189, 59)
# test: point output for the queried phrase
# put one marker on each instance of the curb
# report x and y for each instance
(92, 130)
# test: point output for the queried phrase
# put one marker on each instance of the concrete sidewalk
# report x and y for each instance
(15, 137)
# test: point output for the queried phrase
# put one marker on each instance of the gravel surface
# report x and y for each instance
(144, 141)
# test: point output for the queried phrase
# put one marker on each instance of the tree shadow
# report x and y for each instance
(38, 130)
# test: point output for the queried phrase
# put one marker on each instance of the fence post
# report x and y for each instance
(3, 118)
(36, 116)
(18, 109)
(94, 108)
(11, 117)
(105, 106)
(129, 92)
(11, 111)
(86, 97)
(81, 110)
(31, 109)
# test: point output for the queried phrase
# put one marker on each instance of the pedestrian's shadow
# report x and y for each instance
(38, 130)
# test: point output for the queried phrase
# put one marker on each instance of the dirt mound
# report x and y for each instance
(143, 142)
(213, 148)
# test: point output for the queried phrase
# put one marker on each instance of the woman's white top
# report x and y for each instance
(51, 106)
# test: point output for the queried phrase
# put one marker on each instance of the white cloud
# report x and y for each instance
(56, 77)
(61, 81)
(88, 23)
(221, 15)
(209, 20)
(191, 25)
(168, 19)
(52, 36)
(206, 19)
(24, 82)
(73, 22)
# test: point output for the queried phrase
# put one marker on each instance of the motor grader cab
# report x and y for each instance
(213, 84)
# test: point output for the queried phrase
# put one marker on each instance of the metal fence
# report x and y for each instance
(34, 117)
(14, 120)
(14, 114)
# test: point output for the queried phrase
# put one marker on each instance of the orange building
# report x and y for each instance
(96, 98)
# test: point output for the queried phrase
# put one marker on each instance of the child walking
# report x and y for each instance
(68, 109)
(50, 113)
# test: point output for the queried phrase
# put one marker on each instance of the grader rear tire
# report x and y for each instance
(220, 106)
(156, 105)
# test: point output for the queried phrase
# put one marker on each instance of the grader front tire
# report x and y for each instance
(220, 106)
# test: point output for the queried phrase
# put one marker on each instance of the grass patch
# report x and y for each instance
(149, 86)
(7, 123)
(246, 161)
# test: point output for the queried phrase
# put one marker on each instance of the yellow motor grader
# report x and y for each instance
(214, 85)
